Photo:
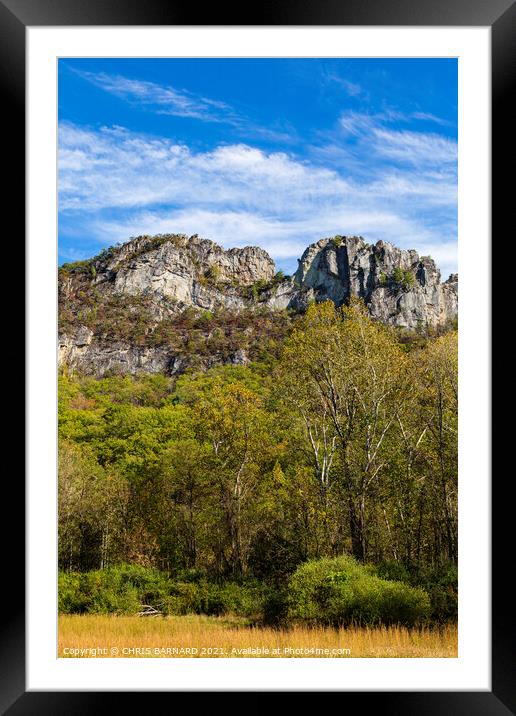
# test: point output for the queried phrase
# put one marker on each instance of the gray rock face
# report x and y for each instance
(399, 287)
(99, 358)
(175, 272)
(188, 271)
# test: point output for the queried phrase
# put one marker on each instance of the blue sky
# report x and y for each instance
(271, 152)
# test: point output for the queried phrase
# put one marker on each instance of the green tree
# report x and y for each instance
(230, 420)
(440, 403)
(186, 493)
(348, 370)
(91, 510)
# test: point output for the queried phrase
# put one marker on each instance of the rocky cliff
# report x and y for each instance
(185, 271)
(138, 307)
(399, 287)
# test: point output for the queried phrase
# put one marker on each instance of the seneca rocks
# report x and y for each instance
(189, 271)
(176, 272)
(399, 287)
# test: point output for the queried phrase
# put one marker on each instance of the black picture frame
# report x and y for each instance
(500, 16)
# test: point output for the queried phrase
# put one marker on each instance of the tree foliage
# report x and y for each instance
(345, 445)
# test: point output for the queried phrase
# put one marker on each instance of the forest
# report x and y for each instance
(319, 484)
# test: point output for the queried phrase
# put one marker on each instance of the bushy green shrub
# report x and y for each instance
(123, 589)
(70, 599)
(78, 267)
(444, 600)
(242, 599)
(340, 591)
(398, 275)
(403, 279)
(408, 280)
(394, 571)
(255, 290)
(440, 583)
(275, 608)
(214, 599)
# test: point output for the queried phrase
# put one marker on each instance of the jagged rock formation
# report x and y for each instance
(188, 271)
(122, 310)
(85, 353)
(399, 287)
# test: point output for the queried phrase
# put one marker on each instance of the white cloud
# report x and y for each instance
(356, 123)
(361, 124)
(353, 89)
(428, 117)
(116, 183)
(164, 99)
(416, 147)
(113, 168)
(168, 100)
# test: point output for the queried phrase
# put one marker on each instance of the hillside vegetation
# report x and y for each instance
(234, 490)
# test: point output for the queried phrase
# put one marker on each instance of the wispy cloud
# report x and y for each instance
(357, 123)
(163, 99)
(353, 89)
(168, 100)
(117, 168)
(428, 117)
(416, 147)
(117, 183)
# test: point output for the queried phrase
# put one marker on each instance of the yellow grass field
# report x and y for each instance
(226, 637)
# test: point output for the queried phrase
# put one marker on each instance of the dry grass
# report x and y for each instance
(193, 636)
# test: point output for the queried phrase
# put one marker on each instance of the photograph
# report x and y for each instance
(257, 357)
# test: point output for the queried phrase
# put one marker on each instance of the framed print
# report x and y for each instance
(258, 427)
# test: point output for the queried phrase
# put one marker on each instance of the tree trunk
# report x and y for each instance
(356, 531)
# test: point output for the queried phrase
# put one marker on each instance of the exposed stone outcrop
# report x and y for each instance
(189, 271)
(171, 273)
(399, 287)
(99, 357)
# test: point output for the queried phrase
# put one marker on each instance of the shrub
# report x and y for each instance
(77, 267)
(124, 588)
(404, 279)
(439, 582)
(340, 591)
(275, 608)
(408, 279)
(214, 599)
(444, 602)
(240, 599)
(182, 598)
(212, 275)
(398, 275)
(116, 590)
(255, 290)
(441, 585)
(70, 600)
(394, 571)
